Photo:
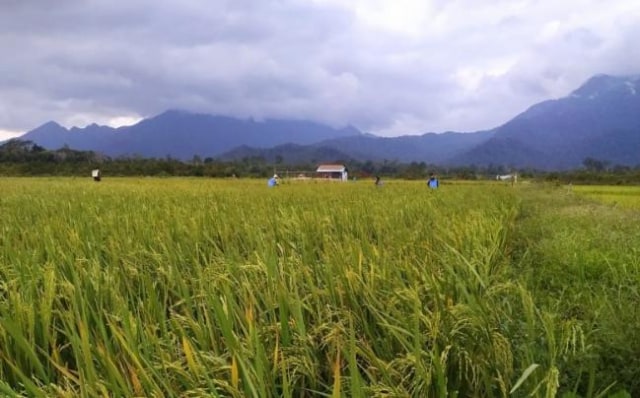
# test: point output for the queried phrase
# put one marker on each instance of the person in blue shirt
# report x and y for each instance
(433, 182)
(273, 181)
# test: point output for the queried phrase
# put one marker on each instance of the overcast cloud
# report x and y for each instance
(388, 67)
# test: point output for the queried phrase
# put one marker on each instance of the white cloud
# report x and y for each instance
(7, 134)
(407, 66)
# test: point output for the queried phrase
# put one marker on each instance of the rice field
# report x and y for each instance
(226, 288)
(622, 196)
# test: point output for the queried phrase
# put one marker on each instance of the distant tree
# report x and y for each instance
(620, 168)
(596, 165)
(368, 167)
(414, 171)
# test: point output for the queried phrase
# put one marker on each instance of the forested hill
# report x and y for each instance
(601, 120)
(183, 135)
(24, 158)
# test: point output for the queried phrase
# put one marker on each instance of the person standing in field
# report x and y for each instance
(433, 182)
(273, 181)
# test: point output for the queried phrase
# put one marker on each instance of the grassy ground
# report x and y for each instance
(621, 196)
(198, 287)
(579, 260)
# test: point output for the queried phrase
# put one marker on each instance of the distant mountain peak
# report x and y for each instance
(177, 112)
(602, 84)
(600, 119)
(183, 134)
(51, 124)
(172, 113)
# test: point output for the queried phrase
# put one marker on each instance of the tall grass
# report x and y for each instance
(579, 259)
(194, 287)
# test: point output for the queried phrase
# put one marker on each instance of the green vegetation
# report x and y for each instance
(201, 287)
(579, 259)
(621, 196)
(25, 158)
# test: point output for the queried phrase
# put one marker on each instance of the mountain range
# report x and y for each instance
(600, 119)
(182, 135)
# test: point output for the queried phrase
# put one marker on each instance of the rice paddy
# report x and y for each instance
(226, 288)
(622, 196)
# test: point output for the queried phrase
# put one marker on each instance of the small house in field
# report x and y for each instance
(95, 173)
(332, 172)
(508, 177)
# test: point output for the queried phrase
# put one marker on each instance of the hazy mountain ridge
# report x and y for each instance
(429, 147)
(290, 154)
(182, 135)
(565, 131)
(600, 119)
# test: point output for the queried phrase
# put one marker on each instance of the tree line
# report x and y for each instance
(26, 158)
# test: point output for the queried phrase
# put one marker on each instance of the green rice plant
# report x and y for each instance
(579, 263)
(622, 196)
(198, 287)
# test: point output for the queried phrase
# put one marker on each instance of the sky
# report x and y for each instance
(389, 68)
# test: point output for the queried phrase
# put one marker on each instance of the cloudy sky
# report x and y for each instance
(388, 67)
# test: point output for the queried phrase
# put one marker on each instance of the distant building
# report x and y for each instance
(508, 177)
(332, 172)
(95, 173)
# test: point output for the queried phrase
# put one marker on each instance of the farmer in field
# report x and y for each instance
(433, 182)
(273, 181)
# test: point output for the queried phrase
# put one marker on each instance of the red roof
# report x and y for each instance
(331, 168)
